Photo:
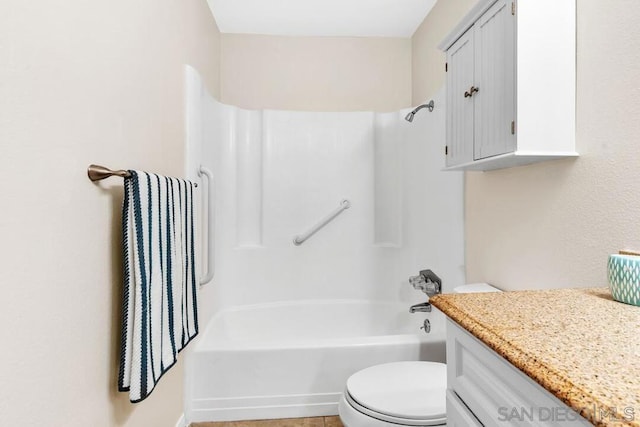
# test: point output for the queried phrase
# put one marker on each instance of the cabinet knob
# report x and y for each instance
(472, 90)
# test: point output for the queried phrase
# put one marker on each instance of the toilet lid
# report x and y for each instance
(403, 390)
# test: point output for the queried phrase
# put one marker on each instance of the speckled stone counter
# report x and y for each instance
(579, 344)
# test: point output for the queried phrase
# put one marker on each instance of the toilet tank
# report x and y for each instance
(475, 287)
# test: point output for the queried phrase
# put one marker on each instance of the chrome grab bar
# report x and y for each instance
(301, 238)
(210, 224)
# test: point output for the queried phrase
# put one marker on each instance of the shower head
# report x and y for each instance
(409, 116)
(429, 105)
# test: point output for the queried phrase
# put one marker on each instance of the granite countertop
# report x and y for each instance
(579, 344)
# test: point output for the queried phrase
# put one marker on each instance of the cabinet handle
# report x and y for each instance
(471, 91)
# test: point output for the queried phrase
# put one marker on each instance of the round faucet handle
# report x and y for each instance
(417, 282)
(431, 288)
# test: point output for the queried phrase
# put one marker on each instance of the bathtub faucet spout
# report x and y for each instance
(423, 307)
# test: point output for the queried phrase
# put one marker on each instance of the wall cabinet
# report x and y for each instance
(485, 389)
(511, 84)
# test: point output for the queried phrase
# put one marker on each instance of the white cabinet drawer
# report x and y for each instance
(459, 415)
(495, 391)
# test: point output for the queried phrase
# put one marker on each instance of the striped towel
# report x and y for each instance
(160, 314)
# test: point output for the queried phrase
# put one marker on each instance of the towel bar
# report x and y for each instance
(98, 173)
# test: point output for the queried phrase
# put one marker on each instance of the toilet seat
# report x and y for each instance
(401, 393)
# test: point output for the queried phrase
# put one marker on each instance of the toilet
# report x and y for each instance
(410, 393)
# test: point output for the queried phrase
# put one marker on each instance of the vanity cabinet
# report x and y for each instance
(458, 415)
(511, 84)
(485, 389)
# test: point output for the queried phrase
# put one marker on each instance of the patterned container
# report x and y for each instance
(624, 278)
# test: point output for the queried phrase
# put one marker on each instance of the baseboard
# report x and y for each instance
(266, 407)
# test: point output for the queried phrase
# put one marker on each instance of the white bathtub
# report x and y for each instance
(292, 359)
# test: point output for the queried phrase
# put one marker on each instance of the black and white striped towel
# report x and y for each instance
(160, 314)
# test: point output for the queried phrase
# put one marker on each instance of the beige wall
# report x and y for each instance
(553, 224)
(427, 63)
(83, 82)
(102, 82)
(316, 73)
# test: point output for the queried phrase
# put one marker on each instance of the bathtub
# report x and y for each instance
(292, 359)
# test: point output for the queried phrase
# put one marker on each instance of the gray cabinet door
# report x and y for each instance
(460, 73)
(494, 69)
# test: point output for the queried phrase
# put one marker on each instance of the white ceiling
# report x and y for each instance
(356, 18)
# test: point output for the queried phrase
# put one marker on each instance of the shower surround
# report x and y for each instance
(277, 173)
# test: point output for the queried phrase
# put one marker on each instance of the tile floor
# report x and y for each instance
(290, 422)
